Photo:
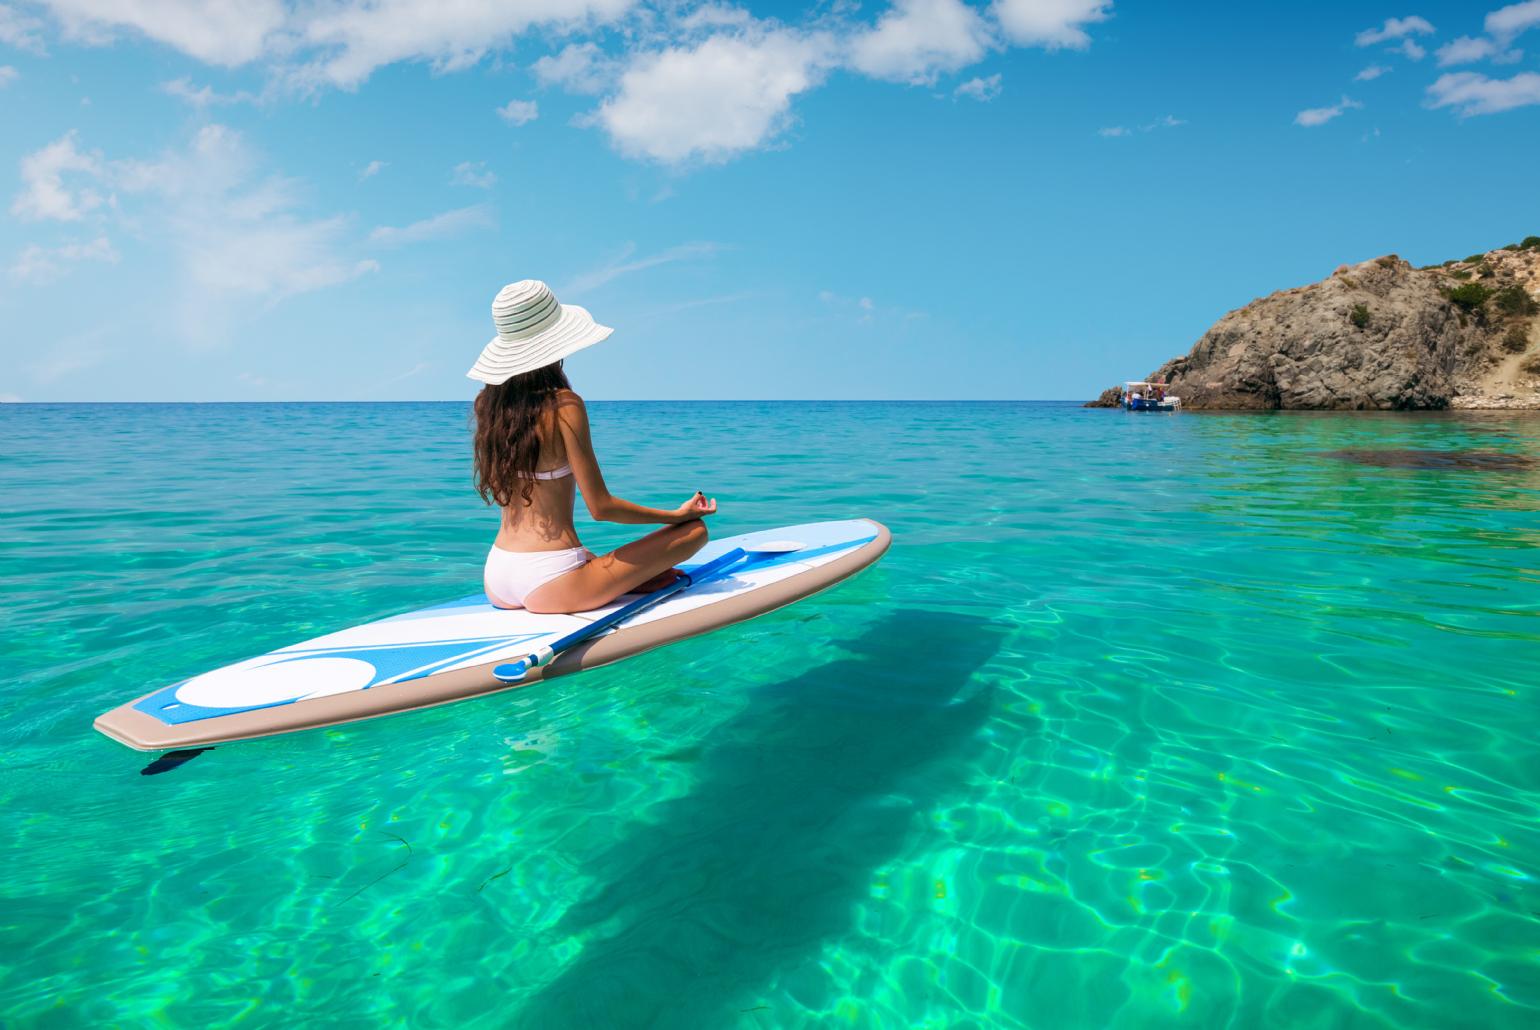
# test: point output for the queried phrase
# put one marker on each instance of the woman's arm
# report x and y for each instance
(604, 506)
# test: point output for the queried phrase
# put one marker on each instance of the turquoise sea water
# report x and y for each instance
(1143, 721)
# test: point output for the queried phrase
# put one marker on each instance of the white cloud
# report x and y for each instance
(1119, 131)
(715, 16)
(1467, 49)
(183, 89)
(362, 35)
(625, 265)
(8, 75)
(687, 81)
(700, 302)
(1502, 27)
(1052, 24)
(45, 195)
(335, 42)
(981, 89)
(716, 99)
(915, 40)
(312, 43)
(1321, 115)
(1472, 93)
(446, 223)
(40, 265)
(204, 96)
(420, 367)
(1411, 49)
(222, 32)
(864, 310)
(236, 232)
(1394, 28)
(1374, 71)
(1514, 19)
(578, 68)
(473, 173)
(372, 169)
(20, 30)
(519, 112)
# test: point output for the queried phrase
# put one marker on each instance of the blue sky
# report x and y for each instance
(265, 200)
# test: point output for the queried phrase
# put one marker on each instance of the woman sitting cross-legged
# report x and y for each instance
(533, 455)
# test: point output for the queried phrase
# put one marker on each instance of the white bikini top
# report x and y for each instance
(559, 472)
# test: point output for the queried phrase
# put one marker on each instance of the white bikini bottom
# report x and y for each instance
(511, 576)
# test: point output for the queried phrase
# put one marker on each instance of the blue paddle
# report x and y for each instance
(734, 561)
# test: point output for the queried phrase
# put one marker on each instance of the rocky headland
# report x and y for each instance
(1380, 335)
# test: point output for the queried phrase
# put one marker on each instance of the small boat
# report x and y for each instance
(1149, 397)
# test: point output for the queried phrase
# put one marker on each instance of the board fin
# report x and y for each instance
(172, 760)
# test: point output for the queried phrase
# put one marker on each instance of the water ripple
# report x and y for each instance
(1142, 722)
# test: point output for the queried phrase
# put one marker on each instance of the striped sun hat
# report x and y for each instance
(533, 330)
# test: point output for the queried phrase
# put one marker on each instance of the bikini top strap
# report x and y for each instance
(559, 472)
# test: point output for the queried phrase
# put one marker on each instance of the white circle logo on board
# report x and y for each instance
(260, 685)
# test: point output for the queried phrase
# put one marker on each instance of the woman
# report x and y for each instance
(533, 454)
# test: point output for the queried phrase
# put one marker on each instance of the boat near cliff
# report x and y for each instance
(1142, 396)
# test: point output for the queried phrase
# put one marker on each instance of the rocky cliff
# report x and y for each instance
(1379, 335)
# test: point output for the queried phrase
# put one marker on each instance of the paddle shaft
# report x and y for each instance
(732, 561)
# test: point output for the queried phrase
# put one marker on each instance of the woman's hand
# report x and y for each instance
(697, 507)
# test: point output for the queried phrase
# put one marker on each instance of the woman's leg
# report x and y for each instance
(622, 570)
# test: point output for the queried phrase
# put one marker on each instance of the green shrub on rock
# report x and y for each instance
(1530, 243)
(1359, 316)
(1515, 300)
(1530, 365)
(1469, 296)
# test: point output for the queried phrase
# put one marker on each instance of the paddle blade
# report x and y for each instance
(511, 672)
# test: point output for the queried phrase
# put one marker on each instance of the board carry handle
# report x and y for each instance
(733, 561)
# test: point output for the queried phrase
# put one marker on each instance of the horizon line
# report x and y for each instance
(623, 400)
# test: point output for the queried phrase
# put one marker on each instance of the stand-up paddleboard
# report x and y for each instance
(448, 653)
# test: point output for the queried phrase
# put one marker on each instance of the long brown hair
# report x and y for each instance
(509, 421)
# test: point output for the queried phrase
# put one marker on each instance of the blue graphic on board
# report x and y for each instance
(396, 664)
(465, 633)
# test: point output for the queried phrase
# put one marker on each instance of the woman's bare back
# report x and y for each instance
(545, 523)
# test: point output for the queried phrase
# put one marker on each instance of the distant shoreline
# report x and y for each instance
(1076, 404)
(1379, 335)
